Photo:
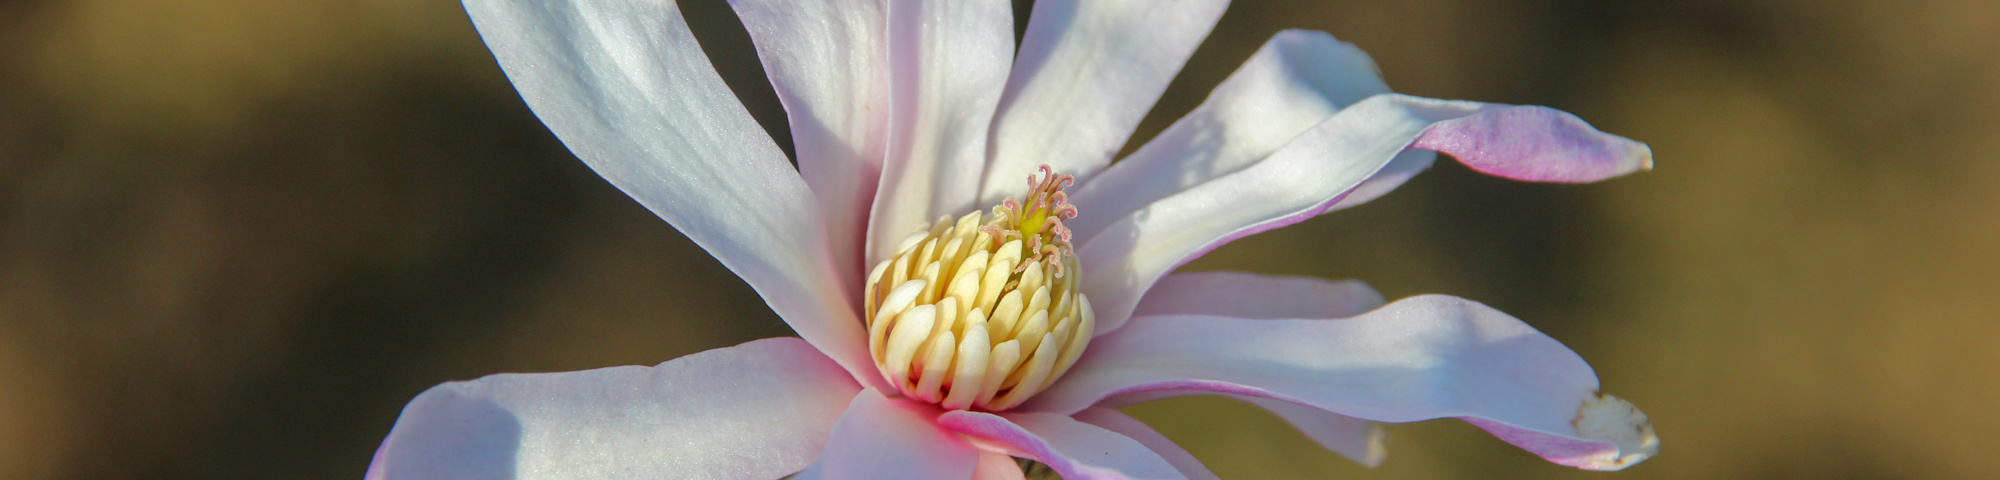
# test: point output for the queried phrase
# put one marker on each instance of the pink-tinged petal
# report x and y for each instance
(1087, 73)
(1420, 358)
(998, 466)
(1245, 295)
(1249, 295)
(1536, 144)
(1304, 178)
(829, 62)
(1296, 80)
(891, 439)
(1123, 424)
(765, 409)
(949, 63)
(1075, 450)
(624, 85)
(377, 468)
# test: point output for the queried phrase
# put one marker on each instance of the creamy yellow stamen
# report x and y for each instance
(982, 311)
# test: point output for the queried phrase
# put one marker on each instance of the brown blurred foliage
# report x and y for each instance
(236, 235)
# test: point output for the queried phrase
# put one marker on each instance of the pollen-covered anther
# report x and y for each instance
(983, 311)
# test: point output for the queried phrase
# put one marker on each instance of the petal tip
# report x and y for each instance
(1646, 154)
(1378, 446)
(1640, 154)
(1536, 144)
(1611, 419)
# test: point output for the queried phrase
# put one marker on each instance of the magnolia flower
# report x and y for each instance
(955, 304)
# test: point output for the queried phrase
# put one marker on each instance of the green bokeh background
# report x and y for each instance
(237, 235)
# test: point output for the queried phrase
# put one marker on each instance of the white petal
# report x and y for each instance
(1296, 80)
(1125, 425)
(1245, 295)
(1075, 450)
(1405, 166)
(891, 439)
(624, 85)
(1087, 73)
(1249, 295)
(765, 410)
(829, 62)
(948, 64)
(1311, 173)
(1420, 358)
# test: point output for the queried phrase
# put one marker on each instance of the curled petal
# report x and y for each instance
(1307, 176)
(624, 85)
(1296, 80)
(1401, 169)
(766, 408)
(1420, 358)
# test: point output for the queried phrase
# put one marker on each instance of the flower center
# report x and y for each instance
(982, 311)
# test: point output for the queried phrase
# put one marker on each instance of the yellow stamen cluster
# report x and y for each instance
(978, 312)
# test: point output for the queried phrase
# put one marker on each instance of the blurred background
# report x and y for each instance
(236, 236)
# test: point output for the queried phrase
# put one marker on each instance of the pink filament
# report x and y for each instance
(1045, 193)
